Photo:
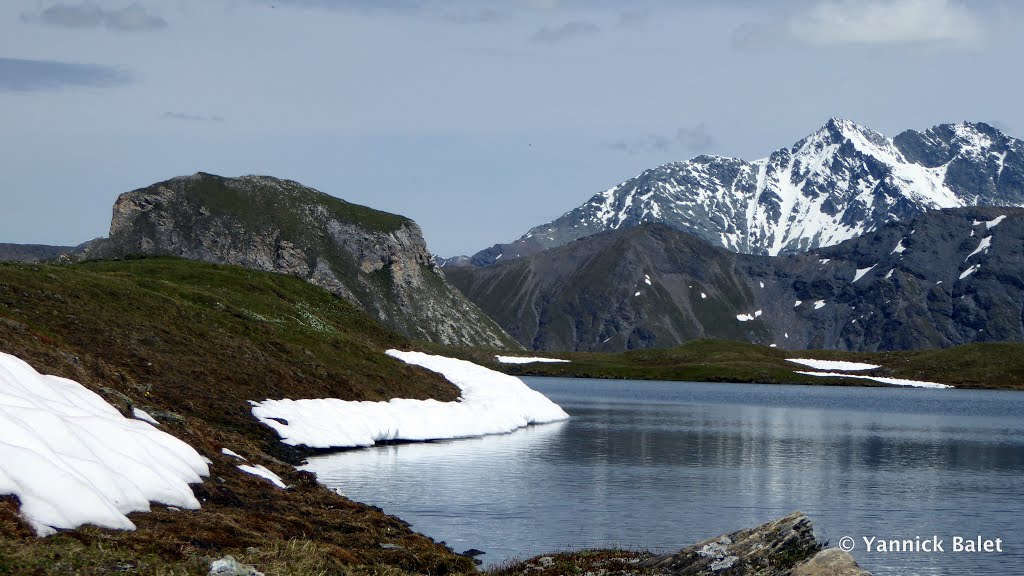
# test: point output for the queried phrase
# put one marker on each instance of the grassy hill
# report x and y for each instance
(988, 365)
(191, 343)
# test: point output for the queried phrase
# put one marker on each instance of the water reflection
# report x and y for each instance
(659, 465)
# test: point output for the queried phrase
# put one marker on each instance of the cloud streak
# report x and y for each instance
(867, 23)
(190, 117)
(131, 18)
(695, 139)
(18, 75)
(567, 31)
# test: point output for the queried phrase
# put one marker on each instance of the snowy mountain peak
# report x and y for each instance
(841, 181)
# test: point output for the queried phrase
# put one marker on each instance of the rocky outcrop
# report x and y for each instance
(376, 260)
(945, 278)
(783, 547)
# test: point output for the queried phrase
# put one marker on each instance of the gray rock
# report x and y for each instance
(830, 562)
(228, 566)
(377, 261)
(772, 549)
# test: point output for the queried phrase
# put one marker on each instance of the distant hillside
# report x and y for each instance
(945, 278)
(842, 181)
(31, 252)
(376, 260)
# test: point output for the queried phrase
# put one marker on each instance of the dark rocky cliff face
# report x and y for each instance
(376, 260)
(945, 278)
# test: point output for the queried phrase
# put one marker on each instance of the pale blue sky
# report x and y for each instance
(477, 119)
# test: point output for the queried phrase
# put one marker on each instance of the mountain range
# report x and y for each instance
(842, 181)
(943, 278)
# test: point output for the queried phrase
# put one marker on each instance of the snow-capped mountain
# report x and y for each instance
(840, 182)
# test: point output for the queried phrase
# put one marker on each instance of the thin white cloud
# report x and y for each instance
(695, 139)
(89, 15)
(884, 22)
(17, 75)
(567, 31)
(190, 117)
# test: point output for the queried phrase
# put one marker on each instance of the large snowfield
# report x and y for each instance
(72, 459)
(491, 403)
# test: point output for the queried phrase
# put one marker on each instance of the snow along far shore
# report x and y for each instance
(522, 360)
(72, 459)
(883, 380)
(491, 403)
(832, 364)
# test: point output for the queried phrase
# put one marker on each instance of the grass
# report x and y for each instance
(190, 343)
(995, 366)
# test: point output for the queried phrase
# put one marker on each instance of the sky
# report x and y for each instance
(479, 119)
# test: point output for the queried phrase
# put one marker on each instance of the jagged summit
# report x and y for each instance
(841, 181)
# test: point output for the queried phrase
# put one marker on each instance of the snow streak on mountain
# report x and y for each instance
(840, 182)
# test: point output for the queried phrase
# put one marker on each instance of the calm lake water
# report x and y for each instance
(661, 465)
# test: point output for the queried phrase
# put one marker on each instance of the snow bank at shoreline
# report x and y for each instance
(522, 360)
(883, 380)
(72, 459)
(832, 364)
(491, 403)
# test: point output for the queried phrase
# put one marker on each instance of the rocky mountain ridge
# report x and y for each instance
(376, 260)
(842, 181)
(944, 278)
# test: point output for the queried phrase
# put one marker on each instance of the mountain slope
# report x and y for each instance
(32, 252)
(945, 278)
(838, 183)
(376, 260)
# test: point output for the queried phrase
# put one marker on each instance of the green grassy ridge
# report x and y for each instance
(191, 343)
(979, 365)
(285, 209)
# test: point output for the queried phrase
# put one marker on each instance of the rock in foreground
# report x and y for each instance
(783, 547)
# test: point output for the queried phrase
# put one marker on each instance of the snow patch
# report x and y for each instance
(824, 261)
(703, 296)
(862, 271)
(525, 360)
(892, 381)
(819, 304)
(263, 472)
(491, 403)
(969, 271)
(748, 317)
(637, 293)
(232, 453)
(141, 414)
(900, 248)
(797, 303)
(72, 459)
(995, 221)
(832, 364)
(983, 246)
(889, 274)
(647, 279)
(761, 283)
